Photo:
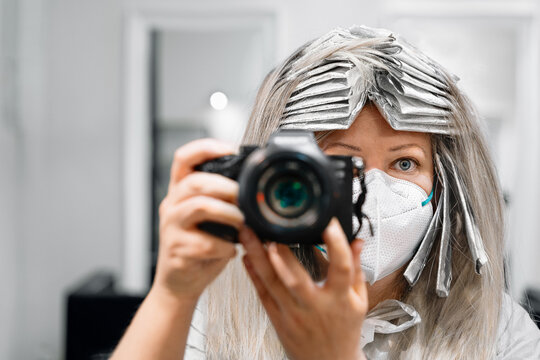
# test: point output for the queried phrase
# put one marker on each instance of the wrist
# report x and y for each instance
(169, 301)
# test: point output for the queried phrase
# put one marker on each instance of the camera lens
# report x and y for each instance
(289, 196)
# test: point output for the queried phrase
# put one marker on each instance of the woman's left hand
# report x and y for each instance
(312, 322)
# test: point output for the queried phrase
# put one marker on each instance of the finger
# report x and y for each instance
(197, 209)
(200, 183)
(199, 245)
(359, 282)
(264, 270)
(340, 267)
(195, 153)
(266, 299)
(291, 273)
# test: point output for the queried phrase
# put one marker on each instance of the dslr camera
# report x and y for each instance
(289, 189)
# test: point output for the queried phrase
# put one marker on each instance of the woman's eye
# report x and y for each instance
(405, 164)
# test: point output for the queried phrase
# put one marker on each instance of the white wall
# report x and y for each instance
(69, 156)
(70, 168)
(9, 141)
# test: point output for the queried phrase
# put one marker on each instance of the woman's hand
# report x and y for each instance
(312, 322)
(189, 258)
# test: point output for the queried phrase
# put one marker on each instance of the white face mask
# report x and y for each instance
(400, 212)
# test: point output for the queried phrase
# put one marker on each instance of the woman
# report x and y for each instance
(433, 201)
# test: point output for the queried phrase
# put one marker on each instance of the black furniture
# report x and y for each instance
(97, 316)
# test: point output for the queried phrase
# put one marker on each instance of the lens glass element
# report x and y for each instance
(289, 196)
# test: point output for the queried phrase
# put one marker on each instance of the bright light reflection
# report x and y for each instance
(219, 100)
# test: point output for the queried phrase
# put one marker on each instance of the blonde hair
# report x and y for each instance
(461, 326)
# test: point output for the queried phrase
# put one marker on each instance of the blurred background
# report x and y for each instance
(95, 95)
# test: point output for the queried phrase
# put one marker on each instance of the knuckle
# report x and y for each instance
(206, 248)
(343, 268)
(194, 184)
(179, 155)
(294, 284)
(335, 232)
(177, 263)
(199, 207)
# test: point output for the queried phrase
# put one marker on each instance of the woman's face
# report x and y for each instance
(401, 154)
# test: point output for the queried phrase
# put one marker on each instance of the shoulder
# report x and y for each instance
(518, 335)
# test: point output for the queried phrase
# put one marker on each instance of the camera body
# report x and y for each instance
(289, 189)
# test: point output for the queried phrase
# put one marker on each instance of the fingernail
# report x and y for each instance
(272, 247)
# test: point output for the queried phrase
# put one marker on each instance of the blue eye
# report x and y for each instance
(405, 164)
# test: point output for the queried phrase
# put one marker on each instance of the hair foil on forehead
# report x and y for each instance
(340, 71)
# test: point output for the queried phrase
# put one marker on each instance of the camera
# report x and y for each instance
(289, 189)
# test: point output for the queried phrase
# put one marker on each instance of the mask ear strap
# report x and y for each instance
(358, 205)
(430, 196)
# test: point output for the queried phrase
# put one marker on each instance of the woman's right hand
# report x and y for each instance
(189, 259)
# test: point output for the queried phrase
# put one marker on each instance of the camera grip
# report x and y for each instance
(228, 166)
(223, 231)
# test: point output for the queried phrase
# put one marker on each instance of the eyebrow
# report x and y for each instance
(356, 148)
(347, 146)
(405, 146)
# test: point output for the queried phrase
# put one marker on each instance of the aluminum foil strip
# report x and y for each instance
(406, 68)
(313, 103)
(409, 106)
(444, 272)
(339, 87)
(439, 225)
(406, 79)
(339, 106)
(321, 90)
(410, 89)
(336, 116)
(416, 265)
(425, 59)
(329, 65)
(416, 60)
(389, 84)
(336, 77)
(426, 120)
(338, 124)
(474, 238)
(398, 122)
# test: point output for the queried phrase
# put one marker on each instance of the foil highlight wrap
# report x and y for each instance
(444, 272)
(418, 262)
(474, 239)
(410, 90)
